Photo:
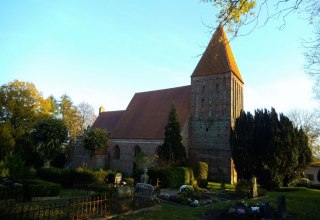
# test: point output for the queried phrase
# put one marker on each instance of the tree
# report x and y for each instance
(87, 115)
(242, 145)
(309, 121)
(269, 147)
(172, 150)
(70, 116)
(49, 136)
(95, 139)
(20, 109)
(234, 14)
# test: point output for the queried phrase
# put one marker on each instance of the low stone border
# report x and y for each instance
(152, 208)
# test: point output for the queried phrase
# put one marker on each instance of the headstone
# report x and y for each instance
(144, 178)
(282, 206)
(254, 189)
(124, 191)
(117, 179)
(144, 190)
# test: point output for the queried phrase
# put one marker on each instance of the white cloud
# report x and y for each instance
(284, 95)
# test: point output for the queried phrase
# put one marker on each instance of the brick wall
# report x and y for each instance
(127, 151)
(216, 100)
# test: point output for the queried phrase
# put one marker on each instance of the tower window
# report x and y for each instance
(137, 150)
(116, 152)
(207, 129)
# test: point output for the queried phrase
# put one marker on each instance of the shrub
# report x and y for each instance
(67, 177)
(129, 181)
(303, 182)
(202, 183)
(40, 188)
(99, 176)
(176, 176)
(243, 188)
(202, 170)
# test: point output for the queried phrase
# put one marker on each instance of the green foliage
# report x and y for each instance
(202, 183)
(140, 161)
(49, 135)
(20, 109)
(15, 165)
(172, 149)
(243, 188)
(129, 181)
(41, 188)
(7, 140)
(67, 177)
(233, 13)
(95, 139)
(172, 177)
(202, 170)
(269, 147)
(70, 116)
(4, 170)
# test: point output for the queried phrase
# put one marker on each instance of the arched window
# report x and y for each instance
(116, 152)
(137, 150)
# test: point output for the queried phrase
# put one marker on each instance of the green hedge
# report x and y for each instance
(202, 170)
(40, 188)
(67, 177)
(172, 177)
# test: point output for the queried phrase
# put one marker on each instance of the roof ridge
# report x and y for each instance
(157, 90)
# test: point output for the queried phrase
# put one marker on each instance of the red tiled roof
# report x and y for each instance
(147, 113)
(107, 120)
(218, 57)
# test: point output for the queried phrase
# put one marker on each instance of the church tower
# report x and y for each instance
(216, 101)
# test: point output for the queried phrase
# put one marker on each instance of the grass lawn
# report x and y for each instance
(302, 203)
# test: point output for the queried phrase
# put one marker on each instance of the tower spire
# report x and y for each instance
(218, 57)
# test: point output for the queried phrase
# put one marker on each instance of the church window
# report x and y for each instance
(207, 129)
(116, 152)
(137, 150)
(217, 89)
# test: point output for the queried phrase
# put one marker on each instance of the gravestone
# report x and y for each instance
(254, 188)
(124, 191)
(117, 179)
(282, 206)
(144, 191)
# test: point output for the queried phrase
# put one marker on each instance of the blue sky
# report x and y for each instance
(102, 52)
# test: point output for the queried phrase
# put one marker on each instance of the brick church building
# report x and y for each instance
(206, 111)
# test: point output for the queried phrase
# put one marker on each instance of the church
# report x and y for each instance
(206, 109)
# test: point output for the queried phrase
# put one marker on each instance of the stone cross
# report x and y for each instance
(144, 178)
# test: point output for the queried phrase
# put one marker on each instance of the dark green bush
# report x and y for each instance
(174, 176)
(202, 183)
(243, 188)
(129, 181)
(40, 188)
(202, 170)
(68, 177)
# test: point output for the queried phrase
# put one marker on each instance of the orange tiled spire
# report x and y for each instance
(218, 57)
